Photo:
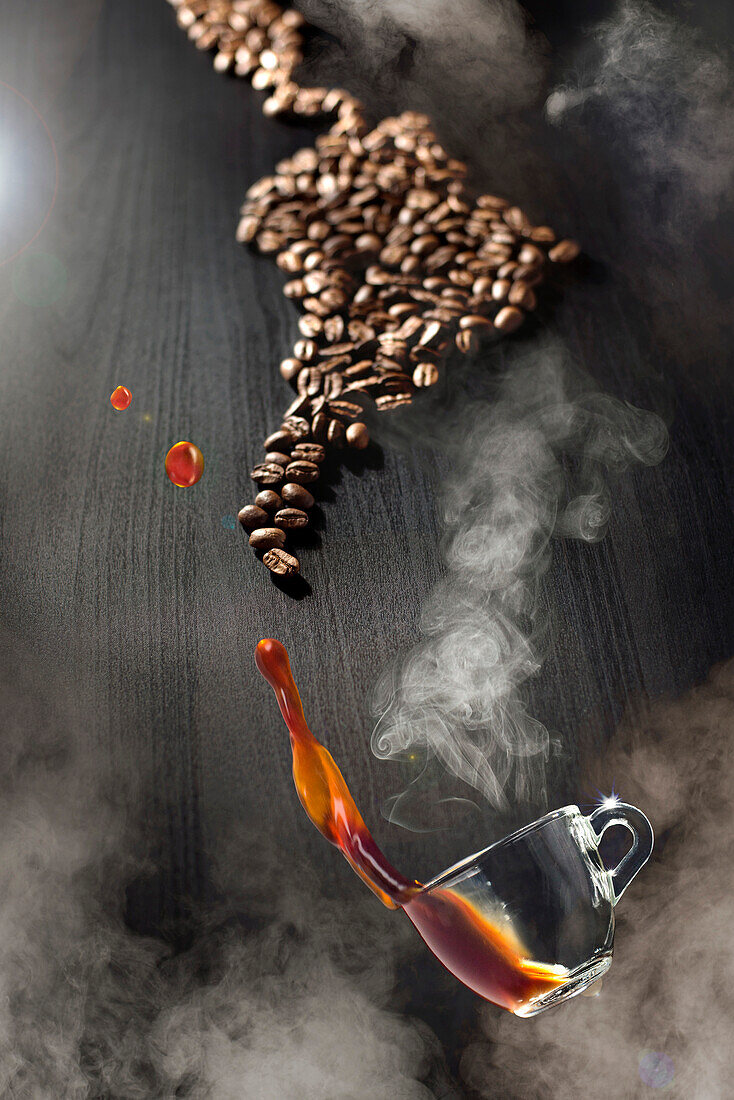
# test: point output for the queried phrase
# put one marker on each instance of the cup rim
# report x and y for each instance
(464, 864)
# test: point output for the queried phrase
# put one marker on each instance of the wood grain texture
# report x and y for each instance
(133, 597)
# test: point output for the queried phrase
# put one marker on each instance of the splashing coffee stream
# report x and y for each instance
(492, 962)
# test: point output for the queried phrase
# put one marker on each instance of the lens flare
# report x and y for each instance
(607, 801)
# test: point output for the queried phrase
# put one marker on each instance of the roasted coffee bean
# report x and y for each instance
(515, 217)
(335, 433)
(492, 202)
(265, 538)
(482, 285)
(357, 435)
(297, 496)
(543, 234)
(268, 500)
(506, 270)
(297, 427)
(315, 307)
(334, 326)
(422, 245)
(474, 321)
(282, 440)
(289, 368)
(311, 452)
(522, 295)
(337, 349)
(278, 458)
(319, 427)
(365, 384)
(335, 362)
(392, 401)
(508, 319)
(302, 404)
(431, 335)
(360, 332)
(396, 383)
(290, 519)
(467, 340)
(530, 254)
(305, 350)
(310, 325)
(302, 472)
(333, 385)
(346, 410)
(315, 282)
(309, 381)
(267, 473)
(425, 374)
(281, 563)
(247, 229)
(358, 369)
(530, 274)
(251, 517)
(290, 262)
(564, 252)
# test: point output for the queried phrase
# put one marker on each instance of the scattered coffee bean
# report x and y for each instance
(268, 500)
(302, 472)
(522, 295)
(289, 368)
(277, 458)
(564, 252)
(335, 433)
(291, 519)
(425, 374)
(320, 426)
(265, 538)
(467, 340)
(392, 401)
(311, 452)
(267, 473)
(297, 427)
(251, 517)
(357, 435)
(280, 440)
(297, 496)
(280, 562)
(508, 319)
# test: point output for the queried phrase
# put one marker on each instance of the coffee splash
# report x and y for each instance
(489, 959)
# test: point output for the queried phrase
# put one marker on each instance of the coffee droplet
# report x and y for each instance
(120, 398)
(184, 464)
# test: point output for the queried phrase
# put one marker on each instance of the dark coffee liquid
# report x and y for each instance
(490, 960)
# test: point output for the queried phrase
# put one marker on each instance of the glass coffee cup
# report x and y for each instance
(547, 897)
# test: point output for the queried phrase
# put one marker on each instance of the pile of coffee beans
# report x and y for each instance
(391, 257)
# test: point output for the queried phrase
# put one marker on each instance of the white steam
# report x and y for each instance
(473, 67)
(672, 98)
(670, 991)
(651, 105)
(537, 462)
(277, 997)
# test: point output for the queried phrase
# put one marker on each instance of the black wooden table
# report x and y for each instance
(131, 608)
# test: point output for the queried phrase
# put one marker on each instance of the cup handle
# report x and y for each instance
(642, 842)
